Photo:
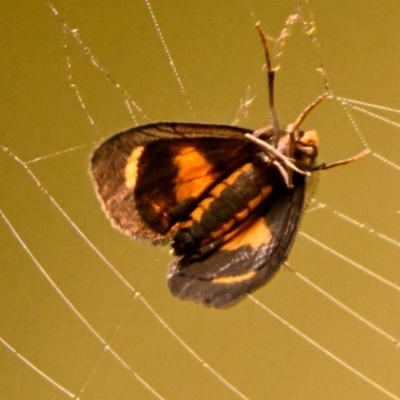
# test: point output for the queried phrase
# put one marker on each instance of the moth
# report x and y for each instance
(228, 199)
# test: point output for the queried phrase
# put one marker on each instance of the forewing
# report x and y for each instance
(150, 177)
(246, 261)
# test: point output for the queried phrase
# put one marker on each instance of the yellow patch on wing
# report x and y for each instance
(194, 174)
(131, 167)
(233, 279)
(254, 235)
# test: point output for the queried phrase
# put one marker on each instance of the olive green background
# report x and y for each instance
(217, 54)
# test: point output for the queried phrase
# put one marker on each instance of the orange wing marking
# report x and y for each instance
(194, 174)
(233, 279)
(255, 235)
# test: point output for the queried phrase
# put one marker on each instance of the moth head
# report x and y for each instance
(304, 150)
(306, 147)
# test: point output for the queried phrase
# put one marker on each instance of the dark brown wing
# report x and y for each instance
(150, 177)
(247, 260)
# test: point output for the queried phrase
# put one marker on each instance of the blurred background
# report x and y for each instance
(69, 281)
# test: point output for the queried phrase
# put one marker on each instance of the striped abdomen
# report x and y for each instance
(224, 208)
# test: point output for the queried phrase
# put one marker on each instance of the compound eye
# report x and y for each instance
(299, 134)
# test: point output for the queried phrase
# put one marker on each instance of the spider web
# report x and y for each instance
(86, 312)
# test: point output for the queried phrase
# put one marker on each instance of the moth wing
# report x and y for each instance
(148, 177)
(246, 261)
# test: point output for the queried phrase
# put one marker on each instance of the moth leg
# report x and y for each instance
(293, 127)
(274, 153)
(306, 111)
(266, 159)
(258, 132)
(323, 166)
(283, 173)
(271, 78)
